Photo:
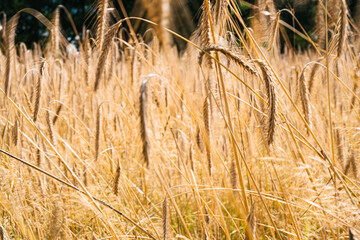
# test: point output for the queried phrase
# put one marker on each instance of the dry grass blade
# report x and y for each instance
(143, 120)
(241, 62)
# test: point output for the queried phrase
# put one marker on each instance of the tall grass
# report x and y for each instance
(245, 144)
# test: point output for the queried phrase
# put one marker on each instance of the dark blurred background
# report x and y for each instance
(185, 18)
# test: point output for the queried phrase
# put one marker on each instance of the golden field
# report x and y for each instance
(232, 138)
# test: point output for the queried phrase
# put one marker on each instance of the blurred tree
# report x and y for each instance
(31, 30)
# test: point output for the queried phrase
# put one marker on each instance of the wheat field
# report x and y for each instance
(234, 137)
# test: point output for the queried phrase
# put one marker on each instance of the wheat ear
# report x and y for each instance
(58, 110)
(251, 224)
(97, 133)
(55, 38)
(3, 234)
(10, 52)
(271, 95)
(15, 132)
(230, 55)
(274, 31)
(320, 24)
(50, 126)
(304, 95)
(117, 179)
(207, 123)
(143, 120)
(340, 148)
(102, 21)
(104, 52)
(205, 32)
(351, 235)
(38, 92)
(351, 162)
(166, 219)
(343, 22)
